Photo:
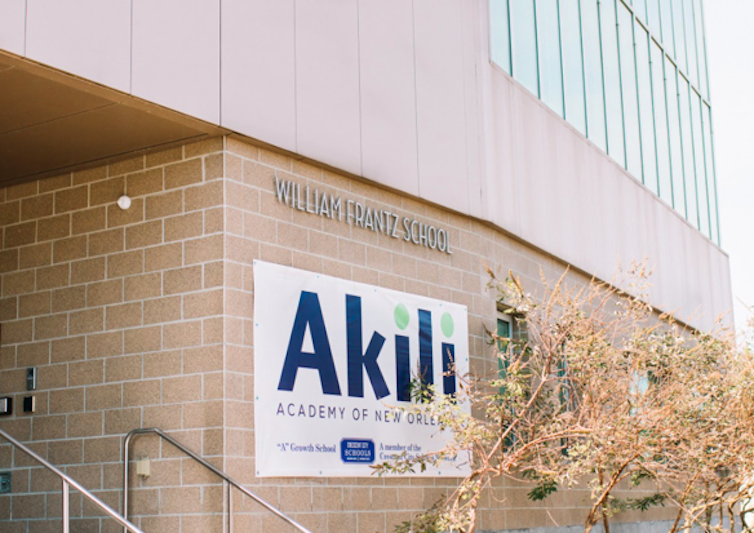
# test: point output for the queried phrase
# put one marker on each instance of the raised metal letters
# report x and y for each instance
(316, 202)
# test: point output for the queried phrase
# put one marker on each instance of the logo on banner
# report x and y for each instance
(357, 451)
(314, 352)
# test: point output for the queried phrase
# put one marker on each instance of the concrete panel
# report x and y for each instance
(654, 250)
(176, 55)
(327, 83)
(573, 200)
(259, 73)
(501, 204)
(722, 298)
(565, 201)
(693, 257)
(715, 272)
(89, 38)
(528, 170)
(632, 243)
(600, 241)
(703, 267)
(662, 290)
(441, 113)
(471, 13)
(13, 26)
(609, 221)
(388, 93)
(675, 262)
(587, 187)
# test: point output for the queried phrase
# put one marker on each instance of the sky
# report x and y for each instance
(730, 50)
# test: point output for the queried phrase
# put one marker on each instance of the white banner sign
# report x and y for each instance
(332, 361)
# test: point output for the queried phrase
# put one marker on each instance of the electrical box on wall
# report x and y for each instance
(5, 486)
(143, 467)
(6, 406)
(30, 404)
(31, 379)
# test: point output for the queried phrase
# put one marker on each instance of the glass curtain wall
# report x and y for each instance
(631, 75)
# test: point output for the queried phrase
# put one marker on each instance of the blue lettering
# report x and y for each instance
(449, 370)
(402, 369)
(309, 314)
(357, 358)
(426, 371)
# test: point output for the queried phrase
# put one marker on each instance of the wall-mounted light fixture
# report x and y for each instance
(124, 202)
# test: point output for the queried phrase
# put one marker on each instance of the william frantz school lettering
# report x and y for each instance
(315, 202)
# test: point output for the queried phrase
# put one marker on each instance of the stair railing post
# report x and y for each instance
(229, 489)
(126, 445)
(66, 507)
(233, 483)
(225, 506)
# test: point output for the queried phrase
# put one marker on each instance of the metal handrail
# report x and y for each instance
(69, 482)
(225, 477)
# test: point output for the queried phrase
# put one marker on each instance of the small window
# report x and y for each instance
(639, 387)
(505, 330)
(508, 330)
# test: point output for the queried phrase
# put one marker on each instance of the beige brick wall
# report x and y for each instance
(122, 314)
(144, 318)
(258, 227)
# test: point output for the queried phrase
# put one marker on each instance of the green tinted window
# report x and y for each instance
(661, 124)
(500, 39)
(573, 71)
(611, 69)
(679, 34)
(550, 67)
(503, 331)
(690, 29)
(640, 8)
(709, 163)
(653, 17)
(674, 131)
(628, 74)
(628, 88)
(701, 174)
(644, 83)
(692, 212)
(700, 48)
(595, 95)
(524, 44)
(666, 14)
